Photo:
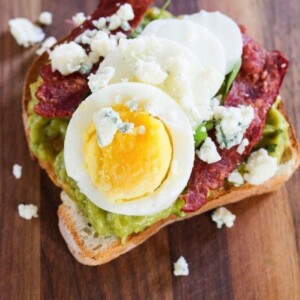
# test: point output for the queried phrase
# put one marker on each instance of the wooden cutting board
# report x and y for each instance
(257, 259)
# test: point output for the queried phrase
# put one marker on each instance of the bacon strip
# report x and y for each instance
(59, 95)
(257, 84)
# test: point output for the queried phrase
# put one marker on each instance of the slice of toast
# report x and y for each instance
(90, 249)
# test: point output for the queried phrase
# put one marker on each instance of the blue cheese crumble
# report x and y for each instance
(236, 178)
(132, 105)
(67, 58)
(222, 216)
(260, 167)
(46, 45)
(28, 211)
(242, 146)
(107, 122)
(25, 32)
(149, 72)
(208, 152)
(181, 267)
(232, 123)
(100, 79)
(126, 127)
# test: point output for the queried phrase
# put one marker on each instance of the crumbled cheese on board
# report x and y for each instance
(45, 18)
(28, 211)
(25, 32)
(222, 216)
(181, 267)
(17, 171)
(260, 167)
(79, 18)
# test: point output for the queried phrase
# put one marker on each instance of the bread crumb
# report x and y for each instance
(28, 211)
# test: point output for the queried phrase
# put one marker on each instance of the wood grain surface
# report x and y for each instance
(257, 259)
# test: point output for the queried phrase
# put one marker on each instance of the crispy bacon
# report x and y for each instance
(257, 84)
(59, 95)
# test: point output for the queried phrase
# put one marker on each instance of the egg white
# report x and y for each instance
(151, 99)
(199, 84)
(226, 31)
(196, 38)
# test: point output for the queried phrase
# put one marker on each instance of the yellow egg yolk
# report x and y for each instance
(134, 164)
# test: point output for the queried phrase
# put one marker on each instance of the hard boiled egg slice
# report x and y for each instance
(227, 32)
(196, 38)
(141, 171)
(169, 66)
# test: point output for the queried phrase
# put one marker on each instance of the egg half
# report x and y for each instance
(196, 38)
(141, 171)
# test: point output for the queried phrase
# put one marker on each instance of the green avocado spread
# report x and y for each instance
(275, 134)
(47, 143)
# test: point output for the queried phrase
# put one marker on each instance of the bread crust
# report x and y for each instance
(67, 219)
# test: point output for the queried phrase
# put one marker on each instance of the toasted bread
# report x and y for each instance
(90, 249)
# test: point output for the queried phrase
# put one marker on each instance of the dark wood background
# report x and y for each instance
(257, 259)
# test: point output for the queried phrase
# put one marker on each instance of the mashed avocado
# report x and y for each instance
(46, 135)
(105, 222)
(275, 134)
